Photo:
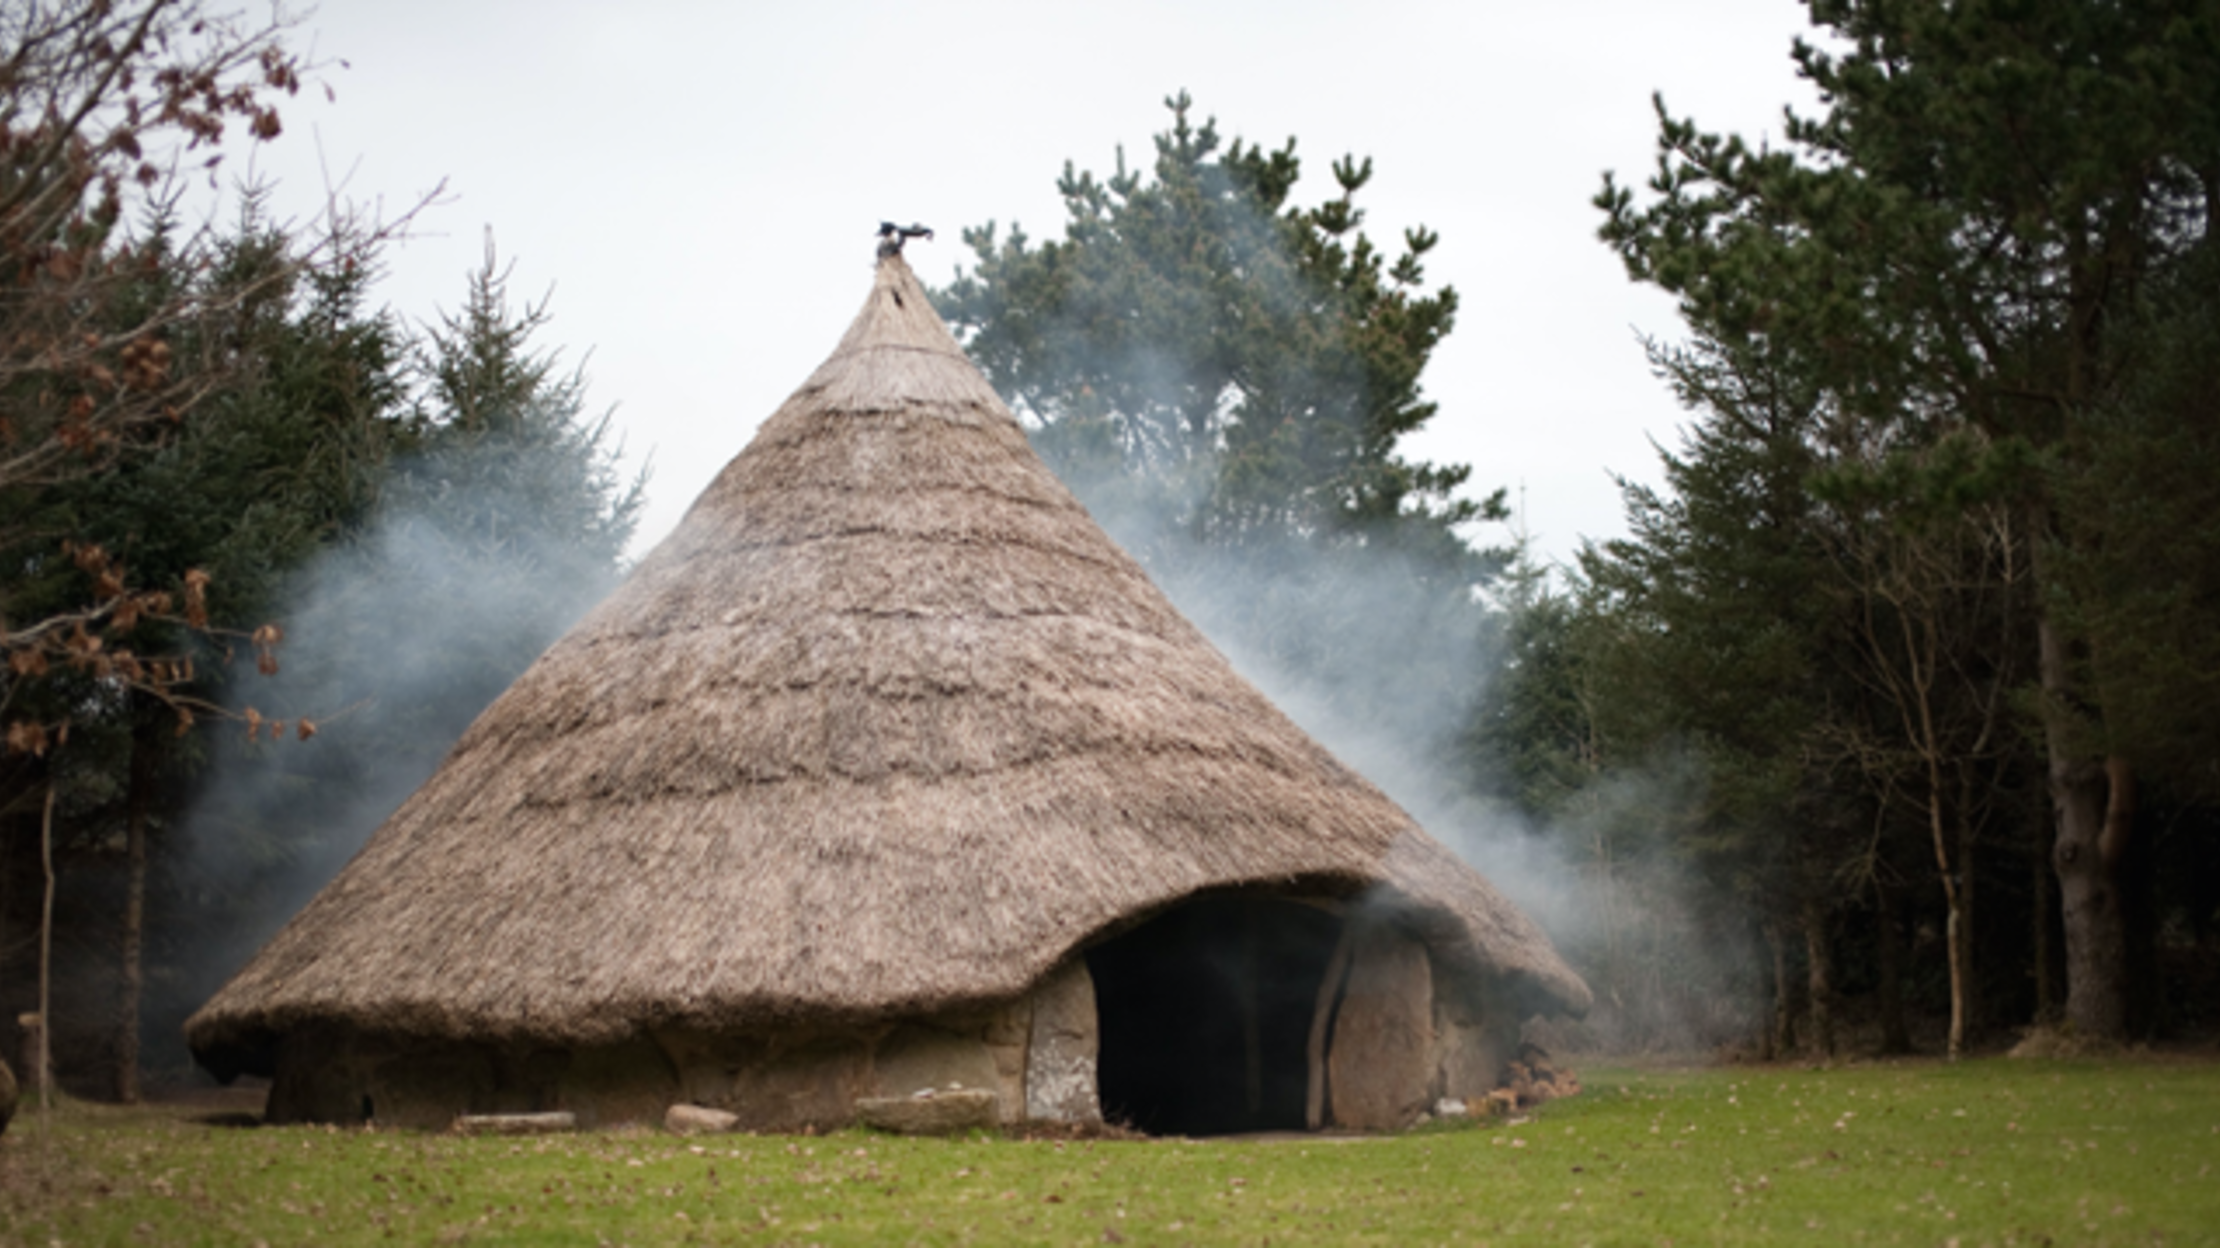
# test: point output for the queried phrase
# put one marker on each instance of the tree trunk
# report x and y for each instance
(2089, 900)
(1780, 1040)
(8, 833)
(1957, 931)
(1963, 921)
(1957, 935)
(33, 1057)
(1819, 973)
(2093, 802)
(1613, 981)
(43, 1068)
(1896, 1035)
(131, 981)
(1956, 945)
(2145, 971)
(2046, 957)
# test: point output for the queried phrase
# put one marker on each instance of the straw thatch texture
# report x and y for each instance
(887, 724)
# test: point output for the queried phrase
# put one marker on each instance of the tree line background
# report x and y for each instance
(1890, 723)
(211, 434)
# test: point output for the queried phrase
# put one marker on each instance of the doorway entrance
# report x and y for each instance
(1205, 1015)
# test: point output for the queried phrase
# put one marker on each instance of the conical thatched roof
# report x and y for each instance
(887, 724)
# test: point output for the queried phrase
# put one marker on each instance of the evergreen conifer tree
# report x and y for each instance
(1225, 379)
(1945, 251)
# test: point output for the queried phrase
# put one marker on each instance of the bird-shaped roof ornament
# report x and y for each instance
(892, 236)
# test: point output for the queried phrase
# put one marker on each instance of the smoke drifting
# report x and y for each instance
(398, 640)
(401, 637)
(1195, 386)
(1393, 672)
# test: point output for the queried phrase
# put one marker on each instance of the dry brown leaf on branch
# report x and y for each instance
(27, 738)
(196, 598)
(266, 639)
(83, 646)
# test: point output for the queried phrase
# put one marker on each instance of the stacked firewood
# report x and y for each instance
(1527, 1081)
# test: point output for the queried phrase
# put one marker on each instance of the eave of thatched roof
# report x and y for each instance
(886, 724)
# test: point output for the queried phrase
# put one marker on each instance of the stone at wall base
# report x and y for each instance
(1381, 1062)
(1060, 1075)
(940, 1113)
(698, 1120)
(516, 1124)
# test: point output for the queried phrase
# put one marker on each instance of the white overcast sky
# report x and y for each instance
(698, 183)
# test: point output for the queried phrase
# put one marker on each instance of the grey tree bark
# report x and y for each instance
(2093, 803)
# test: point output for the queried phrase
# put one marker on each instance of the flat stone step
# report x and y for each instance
(516, 1124)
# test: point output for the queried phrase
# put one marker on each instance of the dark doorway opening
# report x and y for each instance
(1205, 1015)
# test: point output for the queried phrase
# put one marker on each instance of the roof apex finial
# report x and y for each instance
(892, 236)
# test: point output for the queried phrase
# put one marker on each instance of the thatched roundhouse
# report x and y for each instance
(889, 770)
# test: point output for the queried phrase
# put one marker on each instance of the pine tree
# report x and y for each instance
(500, 518)
(1945, 249)
(1225, 379)
(281, 457)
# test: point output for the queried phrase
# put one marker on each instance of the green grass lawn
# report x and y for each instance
(1986, 1152)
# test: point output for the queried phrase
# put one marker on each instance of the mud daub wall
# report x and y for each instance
(1037, 1055)
(1402, 1031)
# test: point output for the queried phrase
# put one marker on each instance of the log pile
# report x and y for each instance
(1527, 1080)
(1532, 1078)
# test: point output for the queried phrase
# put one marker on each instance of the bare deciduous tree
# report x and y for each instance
(115, 325)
